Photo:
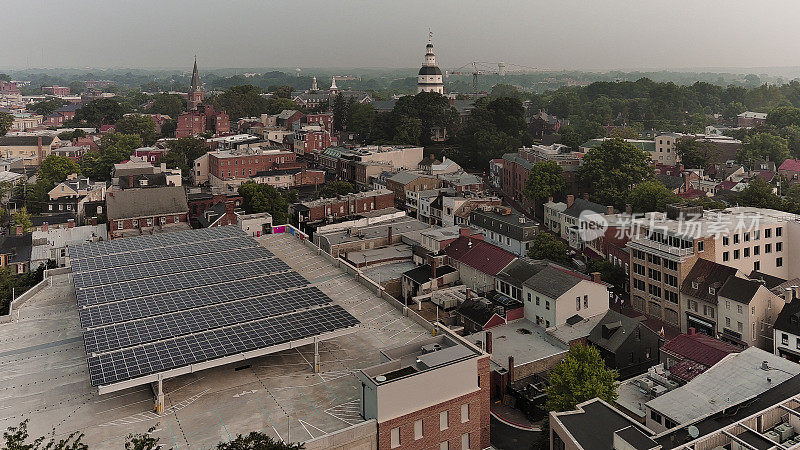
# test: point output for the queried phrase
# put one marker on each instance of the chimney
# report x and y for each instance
(19, 230)
(389, 234)
(44, 227)
(691, 331)
(464, 231)
(609, 210)
(467, 293)
(628, 209)
(570, 200)
(586, 196)
(71, 223)
(488, 342)
(510, 369)
(94, 221)
(596, 277)
(788, 293)
(550, 199)
(795, 291)
(435, 262)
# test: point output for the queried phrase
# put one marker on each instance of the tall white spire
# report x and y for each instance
(429, 78)
(333, 84)
(314, 84)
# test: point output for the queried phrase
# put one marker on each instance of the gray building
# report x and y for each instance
(505, 228)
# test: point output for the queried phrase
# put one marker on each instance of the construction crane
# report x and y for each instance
(484, 68)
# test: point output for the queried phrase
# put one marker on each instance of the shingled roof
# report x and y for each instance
(146, 202)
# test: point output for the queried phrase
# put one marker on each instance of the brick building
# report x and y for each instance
(56, 90)
(202, 120)
(225, 165)
(429, 394)
(342, 206)
(132, 212)
(200, 201)
(310, 139)
(287, 178)
(325, 120)
(401, 182)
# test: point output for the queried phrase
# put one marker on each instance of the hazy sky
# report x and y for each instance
(568, 34)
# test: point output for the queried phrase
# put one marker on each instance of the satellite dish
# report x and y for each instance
(380, 378)
(693, 431)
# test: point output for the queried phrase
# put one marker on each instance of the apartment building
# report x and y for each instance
(341, 206)
(665, 247)
(786, 340)
(224, 166)
(505, 228)
(432, 393)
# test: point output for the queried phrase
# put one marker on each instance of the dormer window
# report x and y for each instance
(695, 285)
(711, 290)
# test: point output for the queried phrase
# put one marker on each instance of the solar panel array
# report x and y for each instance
(149, 304)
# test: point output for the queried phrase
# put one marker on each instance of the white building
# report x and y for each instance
(430, 76)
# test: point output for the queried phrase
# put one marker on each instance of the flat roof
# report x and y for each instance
(165, 305)
(522, 339)
(399, 226)
(594, 423)
(46, 380)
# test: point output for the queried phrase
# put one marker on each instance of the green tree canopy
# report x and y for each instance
(54, 169)
(546, 179)
(547, 246)
(103, 111)
(17, 438)
(22, 217)
(168, 104)
(763, 146)
(784, 116)
(264, 198)
(69, 135)
(612, 169)
(334, 188)
(759, 194)
(114, 148)
(649, 196)
(6, 120)
(47, 106)
(258, 441)
(581, 376)
(140, 124)
(492, 129)
(696, 154)
(182, 153)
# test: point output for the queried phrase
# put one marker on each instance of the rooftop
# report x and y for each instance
(594, 423)
(399, 226)
(522, 339)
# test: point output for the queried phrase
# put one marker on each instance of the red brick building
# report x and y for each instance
(203, 119)
(199, 202)
(325, 120)
(433, 394)
(310, 139)
(9, 88)
(132, 212)
(56, 90)
(228, 165)
(342, 206)
(152, 155)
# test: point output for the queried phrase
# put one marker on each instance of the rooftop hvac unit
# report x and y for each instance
(646, 384)
(657, 390)
(430, 348)
(785, 430)
(773, 436)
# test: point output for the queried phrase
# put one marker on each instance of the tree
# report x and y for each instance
(581, 376)
(103, 111)
(696, 154)
(264, 198)
(758, 194)
(22, 217)
(114, 148)
(339, 112)
(54, 169)
(407, 131)
(70, 135)
(570, 136)
(609, 272)
(763, 146)
(142, 441)
(169, 104)
(547, 246)
(47, 106)
(784, 116)
(6, 120)
(546, 179)
(334, 188)
(360, 119)
(649, 196)
(732, 110)
(624, 133)
(182, 153)
(282, 91)
(258, 441)
(242, 101)
(493, 128)
(16, 438)
(612, 169)
(140, 124)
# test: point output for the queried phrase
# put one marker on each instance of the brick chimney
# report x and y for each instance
(389, 234)
(19, 230)
(71, 223)
(596, 277)
(691, 331)
(464, 231)
(94, 221)
(609, 210)
(570, 200)
(488, 342)
(44, 227)
(510, 369)
(586, 196)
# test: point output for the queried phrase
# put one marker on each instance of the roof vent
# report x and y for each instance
(764, 365)
(380, 378)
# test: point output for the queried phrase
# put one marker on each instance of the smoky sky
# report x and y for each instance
(557, 34)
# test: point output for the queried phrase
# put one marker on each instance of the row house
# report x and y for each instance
(225, 165)
(505, 228)
(310, 139)
(288, 178)
(132, 212)
(341, 206)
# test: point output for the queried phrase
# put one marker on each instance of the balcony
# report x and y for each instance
(651, 244)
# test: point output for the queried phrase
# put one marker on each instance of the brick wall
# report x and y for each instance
(477, 426)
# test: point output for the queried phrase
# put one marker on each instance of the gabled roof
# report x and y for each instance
(580, 205)
(26, 141)
(706, 274)
(521, 270)
(620, 326)
(19, 247)
(789, 318)
(740, 289)
(699, 348)
(479, 255)
(145, 202)
(553, 281)
(476, 310)
(404, 177)
(771, 282)
(792, 165)
(423, 273)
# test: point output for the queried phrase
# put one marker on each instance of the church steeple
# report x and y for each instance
(429, 78)
(196, 94)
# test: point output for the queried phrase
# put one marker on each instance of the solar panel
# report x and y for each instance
(181, 351)
(92, 249)
(158, 268)
(135, 332)
(151, 305)
(175, 282)
(163, 253)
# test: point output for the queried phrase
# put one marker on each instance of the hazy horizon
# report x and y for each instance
(682, 35)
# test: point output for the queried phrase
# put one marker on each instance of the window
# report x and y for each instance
(135, 223)
(784, 339)
(537, 300)
(778, 246)
(768, 233)
(746, 252)
(747, 236)
(778, 262)
(736, 254)
(585, 301)
(418, 429)
(444, 445)
(728, 322)
(797, 344)
(655, 416)
(735, 238)
(669, 423)
(739, 309)
(767, 248)
(778, 232)
(465, 413)
(529, 296)
(725, 240)
(701, 246)
(756, 235)
(150, 222)
(740, 326)
(752, 310)
(395, 437)
(465, 441)
(577, 303)
(443, 420)
(547, 324)
(756, 250)
(163, 220)
(757, 265)
(547, 305)
(726, 256)
(119, 224)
